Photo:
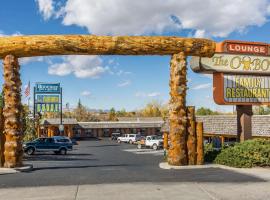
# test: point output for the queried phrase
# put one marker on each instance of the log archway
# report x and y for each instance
(12, 48)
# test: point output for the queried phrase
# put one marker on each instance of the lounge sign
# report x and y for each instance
(241, 89)
(235, 57)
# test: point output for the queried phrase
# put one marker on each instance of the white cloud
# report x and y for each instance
(202, 86)
(46, 8)
(79, 65)
(124, 83)
(86, 93)
(120, 17)
(151, 94)
(26, 60)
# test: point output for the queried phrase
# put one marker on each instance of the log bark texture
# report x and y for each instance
(177, 110)
(191, 136)
(200, 150)
(2, 138)
(45, 45)
(165, 141)
(12, 109)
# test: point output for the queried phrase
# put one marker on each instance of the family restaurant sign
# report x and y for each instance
(241, 89)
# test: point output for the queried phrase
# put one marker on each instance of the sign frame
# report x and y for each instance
(218, 92)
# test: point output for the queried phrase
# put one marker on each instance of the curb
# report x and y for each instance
(165, 165)
(25, 168)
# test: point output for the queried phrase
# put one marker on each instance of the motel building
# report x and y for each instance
(75, 129)
(217, 128)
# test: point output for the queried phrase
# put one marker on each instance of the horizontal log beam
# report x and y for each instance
(45, 45)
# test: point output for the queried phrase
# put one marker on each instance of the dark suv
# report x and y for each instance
(57, 144)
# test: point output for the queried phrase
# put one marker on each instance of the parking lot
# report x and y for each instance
(107, 162)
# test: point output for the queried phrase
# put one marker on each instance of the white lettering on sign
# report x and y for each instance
(246, 88)
(247, 48)
(232, 63)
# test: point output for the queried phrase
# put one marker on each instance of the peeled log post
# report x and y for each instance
(12, 110)
(165, 141)
(191, 136)
(44, 45)
(2, 138)
(177, 110)
(200, 150)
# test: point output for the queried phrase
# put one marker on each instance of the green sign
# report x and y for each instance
(47, 88)
(47, 107)
(48, 98)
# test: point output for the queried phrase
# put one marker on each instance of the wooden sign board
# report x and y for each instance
(235, 57)
(231, 63)
(241, 89)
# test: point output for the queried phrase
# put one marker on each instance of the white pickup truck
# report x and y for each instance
(152, 141)
(130, 138)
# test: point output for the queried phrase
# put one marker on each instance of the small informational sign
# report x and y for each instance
(231, 63)
(61, 127)
(47, 88)
(241, 89)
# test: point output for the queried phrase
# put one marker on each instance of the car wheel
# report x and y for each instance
(119, 141)
(139, 146)
(63, 151)
(130, 142)
(155, 147)
(30, 151)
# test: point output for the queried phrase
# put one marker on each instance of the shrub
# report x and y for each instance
(250, 153)
(210, 153)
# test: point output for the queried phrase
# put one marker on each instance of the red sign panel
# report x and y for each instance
(241, 47)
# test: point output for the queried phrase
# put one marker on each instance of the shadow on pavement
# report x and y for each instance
(105, 145)
(78, 167)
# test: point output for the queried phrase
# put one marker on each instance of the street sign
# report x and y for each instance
(241, 89)
(47, 88)
(232, 63)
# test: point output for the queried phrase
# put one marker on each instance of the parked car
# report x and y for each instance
(130, 138)
(58, 145)
(115, 136)
(152, 141)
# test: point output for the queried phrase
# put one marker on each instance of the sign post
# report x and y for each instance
(241, 77)
(244, 128)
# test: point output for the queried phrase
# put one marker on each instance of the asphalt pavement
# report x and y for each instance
(113, 165)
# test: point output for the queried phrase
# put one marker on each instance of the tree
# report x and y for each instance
(206, 111)
(261, 110)
(112, 115)
(152, 109)
(28, 126)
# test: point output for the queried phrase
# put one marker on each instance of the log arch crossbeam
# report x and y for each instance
(46, 45)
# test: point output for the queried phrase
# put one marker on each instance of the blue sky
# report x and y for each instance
(129, 82)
